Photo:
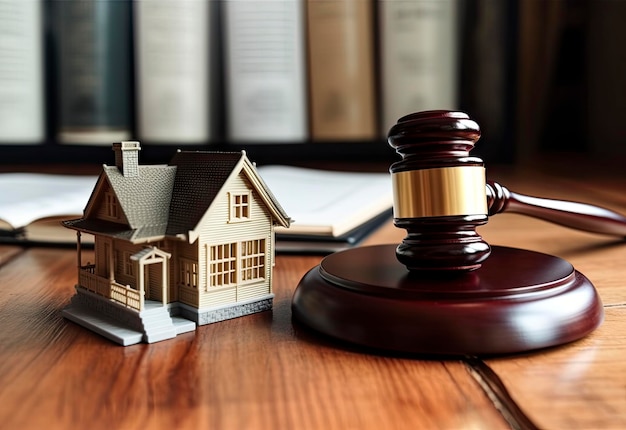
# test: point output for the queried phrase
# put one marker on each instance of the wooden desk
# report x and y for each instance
(262, 371)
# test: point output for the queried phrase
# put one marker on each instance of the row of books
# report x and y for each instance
(198, 71)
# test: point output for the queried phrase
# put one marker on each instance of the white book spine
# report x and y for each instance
(21, 72)
(265, 71)
(173, 73)
(419, 57)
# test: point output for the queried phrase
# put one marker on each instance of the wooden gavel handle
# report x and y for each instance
(579, 216)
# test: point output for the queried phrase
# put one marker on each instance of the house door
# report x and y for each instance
(153, 273)
(154, 281)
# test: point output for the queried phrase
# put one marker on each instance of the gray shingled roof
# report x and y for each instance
(167, 199)
(145, 198)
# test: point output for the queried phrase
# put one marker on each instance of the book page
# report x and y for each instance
(327, 202)
(26, 197)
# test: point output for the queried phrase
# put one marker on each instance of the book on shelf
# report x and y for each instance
(21, 72)
(265, 82)
(605, 72)
(341, 70)
(93, 72)
(489, 50)
(331, 210)
(418, 57)
(173, 70)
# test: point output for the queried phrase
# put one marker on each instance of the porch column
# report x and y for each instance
(78, 250)
(164, 280)
(140, 279)
(111, 263)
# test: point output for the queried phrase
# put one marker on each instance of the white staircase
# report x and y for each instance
(122, 325)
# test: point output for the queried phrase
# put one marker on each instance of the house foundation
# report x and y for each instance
(222, 313)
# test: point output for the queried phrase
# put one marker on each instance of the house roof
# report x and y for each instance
(170, 200)
(145, 198)
(200, 177)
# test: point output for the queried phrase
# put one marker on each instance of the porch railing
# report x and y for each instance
(127, 296)
(104, 287)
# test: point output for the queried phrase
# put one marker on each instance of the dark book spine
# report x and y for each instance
(93, 54)
(489, 41)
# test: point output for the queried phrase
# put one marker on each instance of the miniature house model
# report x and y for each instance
(175, 245)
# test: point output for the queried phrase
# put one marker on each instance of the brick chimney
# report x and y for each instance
(127, 158)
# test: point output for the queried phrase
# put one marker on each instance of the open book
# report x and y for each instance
(330, 209)
(32, 205)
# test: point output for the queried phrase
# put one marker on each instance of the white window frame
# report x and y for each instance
(112, 209)
(188, 272)
(240, 210)
(222, 265)
(128, 265)
(237, 263)
(252, 261)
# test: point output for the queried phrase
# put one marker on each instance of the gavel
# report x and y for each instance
(459, 295)
(441, 195)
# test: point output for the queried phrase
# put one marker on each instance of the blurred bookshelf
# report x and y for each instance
(538, 76)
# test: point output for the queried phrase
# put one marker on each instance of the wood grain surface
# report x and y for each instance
(252, 372)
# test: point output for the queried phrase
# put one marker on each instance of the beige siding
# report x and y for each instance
(188, 251)
(188, 296)
(247, 292)
(218, 230)
(123, 251)
(219, 297)
(102, 250)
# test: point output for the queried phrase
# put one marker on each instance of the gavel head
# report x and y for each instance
(439, 192)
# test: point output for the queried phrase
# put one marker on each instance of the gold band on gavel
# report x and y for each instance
(443, 191)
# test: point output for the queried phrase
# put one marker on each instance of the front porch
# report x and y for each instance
(123, 324)
(145, 273)
(110, 289)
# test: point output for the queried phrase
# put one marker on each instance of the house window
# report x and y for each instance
(123, 264)
(252, 260)
(222, 265)
(112, 209)
(188, 273)
(129, 267)
(240, 207)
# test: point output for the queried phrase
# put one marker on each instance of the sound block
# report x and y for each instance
(517, 301)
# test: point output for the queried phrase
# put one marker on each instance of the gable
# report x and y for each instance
(220, 172)
(105, 205)
(200, 177)
(237, 202)
(140, 202)
(276, 210)
(145, 198)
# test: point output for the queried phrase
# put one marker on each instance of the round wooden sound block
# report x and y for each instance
(517, 301)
